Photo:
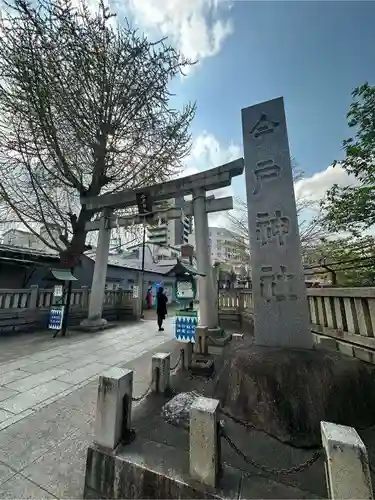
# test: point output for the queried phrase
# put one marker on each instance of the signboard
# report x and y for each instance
(135, 292)
(58, 291)
(56, 315)
(144, 203)
(184, 290)
(186, 325)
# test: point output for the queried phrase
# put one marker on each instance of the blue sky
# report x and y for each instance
(311, 53)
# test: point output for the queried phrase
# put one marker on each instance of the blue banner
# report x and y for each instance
(186, 325)
(56, 318)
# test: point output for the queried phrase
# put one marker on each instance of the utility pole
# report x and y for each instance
(143, 266)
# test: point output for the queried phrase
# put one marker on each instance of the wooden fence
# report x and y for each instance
(341, 318)
(28, 309)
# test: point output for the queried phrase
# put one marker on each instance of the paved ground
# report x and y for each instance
(48, 390)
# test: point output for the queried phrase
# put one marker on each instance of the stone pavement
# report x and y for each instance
(48, 390)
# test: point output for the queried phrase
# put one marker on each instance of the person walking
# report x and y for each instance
(149, 298)
(161, 307)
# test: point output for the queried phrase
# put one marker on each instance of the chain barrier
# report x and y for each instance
(215, 344)
(252, 427)
(269, 470)
(180, 357)
(247, 425)
(146, 393)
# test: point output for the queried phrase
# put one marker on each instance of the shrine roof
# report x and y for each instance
(182, 268)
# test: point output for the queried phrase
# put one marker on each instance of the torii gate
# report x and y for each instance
(196, 185)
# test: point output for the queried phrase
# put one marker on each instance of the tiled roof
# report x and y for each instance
(28, 251)
(135, 265)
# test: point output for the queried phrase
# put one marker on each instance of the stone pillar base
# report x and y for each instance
(217, 337)
(215, 332)
(92, 324)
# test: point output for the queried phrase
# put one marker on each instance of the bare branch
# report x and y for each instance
(311, 230)
(84, 109)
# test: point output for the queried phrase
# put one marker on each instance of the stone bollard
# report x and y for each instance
(201, 346)
(187, 355)
(161, 363)
(113, 411)
(205, 441)
(347, 466)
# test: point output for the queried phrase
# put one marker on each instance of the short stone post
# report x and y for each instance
(113, 412)
(201, 346)
(204, 441)
(33, 304)
(187, 356)
(161, 363)
(347, 465)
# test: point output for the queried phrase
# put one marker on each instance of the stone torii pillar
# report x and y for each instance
(94, 319)
(207, 294)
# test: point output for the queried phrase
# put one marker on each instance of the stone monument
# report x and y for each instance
(281, 385)
(281, 316)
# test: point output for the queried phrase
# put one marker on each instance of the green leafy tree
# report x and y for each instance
(352, 208)
(345, 261)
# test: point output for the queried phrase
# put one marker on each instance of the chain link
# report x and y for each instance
(146, 393)
(178, 362)
(247, 425)
(269, 470)
(215, 344)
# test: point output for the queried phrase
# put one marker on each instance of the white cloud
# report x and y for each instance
(316, 186)
(206, 153)
(198, 28)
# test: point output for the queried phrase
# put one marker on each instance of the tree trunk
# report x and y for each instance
(71, 256)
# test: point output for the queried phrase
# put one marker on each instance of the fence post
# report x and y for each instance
(161, 363)
(34, 295)
(347, 465)
(85, 297)
(201, 346)
(204, 441)
(113, 411)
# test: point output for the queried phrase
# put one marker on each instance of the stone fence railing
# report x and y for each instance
(39, 298)
(346, 315)
(25, 309)
(235, 304)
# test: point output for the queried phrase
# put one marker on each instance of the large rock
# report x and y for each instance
(288, 392)
(177, 410)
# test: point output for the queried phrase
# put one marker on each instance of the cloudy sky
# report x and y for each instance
(313, 53)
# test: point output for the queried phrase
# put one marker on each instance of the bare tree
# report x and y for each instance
(311, 229)
(84, 110)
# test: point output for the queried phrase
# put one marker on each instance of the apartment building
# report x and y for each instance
(225, 247)
(171, 232)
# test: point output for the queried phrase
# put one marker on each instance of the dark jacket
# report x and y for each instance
(162, 300)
